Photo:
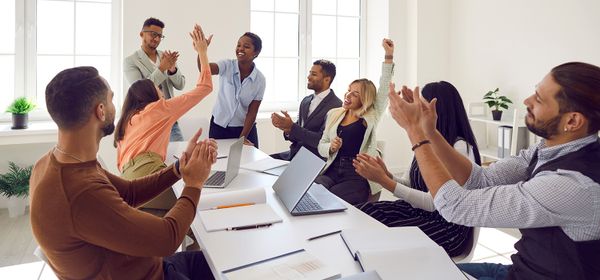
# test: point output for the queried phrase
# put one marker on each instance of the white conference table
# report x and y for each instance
(229, 249)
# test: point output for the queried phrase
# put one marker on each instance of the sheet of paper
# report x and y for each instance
(209, 201)
(389, 238)
(235, 217)
(410, 263)
(264, 164)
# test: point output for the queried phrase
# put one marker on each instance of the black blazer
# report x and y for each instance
(307, 130)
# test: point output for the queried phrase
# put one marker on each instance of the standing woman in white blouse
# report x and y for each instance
(415, 206)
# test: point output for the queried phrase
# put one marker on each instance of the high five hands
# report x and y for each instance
(199, 40)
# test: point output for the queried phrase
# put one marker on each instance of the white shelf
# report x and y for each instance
(488, 148)
(506, 120)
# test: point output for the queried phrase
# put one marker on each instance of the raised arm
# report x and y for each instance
(214, 68)
(387, 71)
(181, 104)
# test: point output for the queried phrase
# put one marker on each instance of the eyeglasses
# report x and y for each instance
(154, 34)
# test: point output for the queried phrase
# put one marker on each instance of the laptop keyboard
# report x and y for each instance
(217, 179)
(307, 203)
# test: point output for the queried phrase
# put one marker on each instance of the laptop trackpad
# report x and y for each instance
(325, 198)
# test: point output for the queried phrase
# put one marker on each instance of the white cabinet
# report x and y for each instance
(486, 131)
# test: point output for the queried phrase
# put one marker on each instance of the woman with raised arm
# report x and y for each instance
(241, 90)
(142, 133)
(415, 205)
(350, 130)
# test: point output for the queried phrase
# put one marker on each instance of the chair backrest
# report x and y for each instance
(467, 255)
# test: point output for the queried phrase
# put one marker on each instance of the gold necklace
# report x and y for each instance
(67, 154)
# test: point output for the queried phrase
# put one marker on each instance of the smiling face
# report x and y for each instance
(543, 114)
(316, 79)
(151, 36)
(352, 99)
(245, 50)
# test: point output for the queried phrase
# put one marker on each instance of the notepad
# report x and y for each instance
(400, 252)
(294, 265)
(264, 164)
(387, 238)
(235, 210)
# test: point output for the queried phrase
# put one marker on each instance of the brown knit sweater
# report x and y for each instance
(85, 220)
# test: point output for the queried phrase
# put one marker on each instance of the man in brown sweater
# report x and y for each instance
(84, 218)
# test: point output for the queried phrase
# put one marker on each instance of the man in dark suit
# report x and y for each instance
(308, 129)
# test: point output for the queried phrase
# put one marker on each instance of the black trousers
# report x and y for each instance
(188, 265)
(282, 156)
(218, 132)
(342, 180)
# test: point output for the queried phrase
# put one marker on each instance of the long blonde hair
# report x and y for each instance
(368, 93)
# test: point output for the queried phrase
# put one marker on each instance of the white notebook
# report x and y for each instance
(236, 210)
(425, 263)
(400, 253)
(294, 265)
(389, 238)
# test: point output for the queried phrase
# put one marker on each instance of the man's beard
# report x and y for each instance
(109, 127)
(546, 129)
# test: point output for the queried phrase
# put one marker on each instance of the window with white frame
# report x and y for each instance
(47, 36)
(297, 32)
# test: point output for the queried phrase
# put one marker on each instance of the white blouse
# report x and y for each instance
(420, 199)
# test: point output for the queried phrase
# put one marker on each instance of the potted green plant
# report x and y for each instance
(497, 102)
(15, 186)
(20, 109)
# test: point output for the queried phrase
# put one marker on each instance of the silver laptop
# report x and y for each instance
(220, 179)
(295, 187)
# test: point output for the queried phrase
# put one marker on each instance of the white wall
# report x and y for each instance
(512, 44)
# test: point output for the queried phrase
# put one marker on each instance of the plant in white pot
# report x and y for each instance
(20, 109)
(497, 102)
(15, 186)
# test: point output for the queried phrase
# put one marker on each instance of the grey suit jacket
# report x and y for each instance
(307, 130)
(138, 66)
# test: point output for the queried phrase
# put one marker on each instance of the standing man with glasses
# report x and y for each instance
(158, 66)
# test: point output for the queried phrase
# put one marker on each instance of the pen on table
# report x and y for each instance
(248, 227)
(324, 235)
(232, 205)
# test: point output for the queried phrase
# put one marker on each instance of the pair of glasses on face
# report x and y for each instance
(154, 34)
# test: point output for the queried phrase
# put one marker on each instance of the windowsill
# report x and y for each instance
(37, 132)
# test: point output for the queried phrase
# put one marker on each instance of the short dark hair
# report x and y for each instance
(153, 21)
(327, 67)
(256, 41)
(579, 91)
(141, 93)
(72, 95)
